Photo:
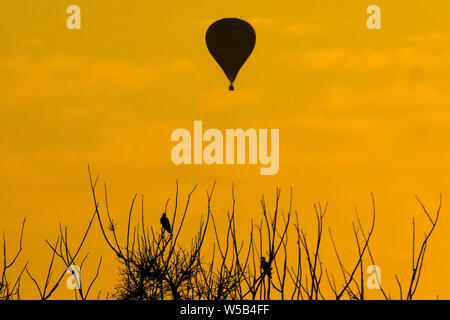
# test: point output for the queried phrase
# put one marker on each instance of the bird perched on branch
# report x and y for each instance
(265, 266)
(165, 223)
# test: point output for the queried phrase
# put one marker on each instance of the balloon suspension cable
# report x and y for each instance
(231, 88)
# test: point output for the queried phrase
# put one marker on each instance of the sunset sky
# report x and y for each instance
(359, 111)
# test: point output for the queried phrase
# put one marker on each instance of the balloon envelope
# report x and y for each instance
(230, 41)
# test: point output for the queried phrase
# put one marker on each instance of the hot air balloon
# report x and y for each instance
(230, 41)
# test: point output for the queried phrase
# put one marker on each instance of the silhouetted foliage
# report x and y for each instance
(10, 289)
(155, 264)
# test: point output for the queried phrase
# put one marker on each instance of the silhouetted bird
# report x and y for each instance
(165, 223)
(265, 266)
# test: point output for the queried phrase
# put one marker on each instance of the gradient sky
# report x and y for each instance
(359, 111)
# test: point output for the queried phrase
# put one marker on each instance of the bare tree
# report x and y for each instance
(157, 263)
(60, 249)
(418, 258)
(69, 259)
(10, 289)
(153, 264)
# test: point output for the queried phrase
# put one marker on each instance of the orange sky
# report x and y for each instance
(359, 111)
